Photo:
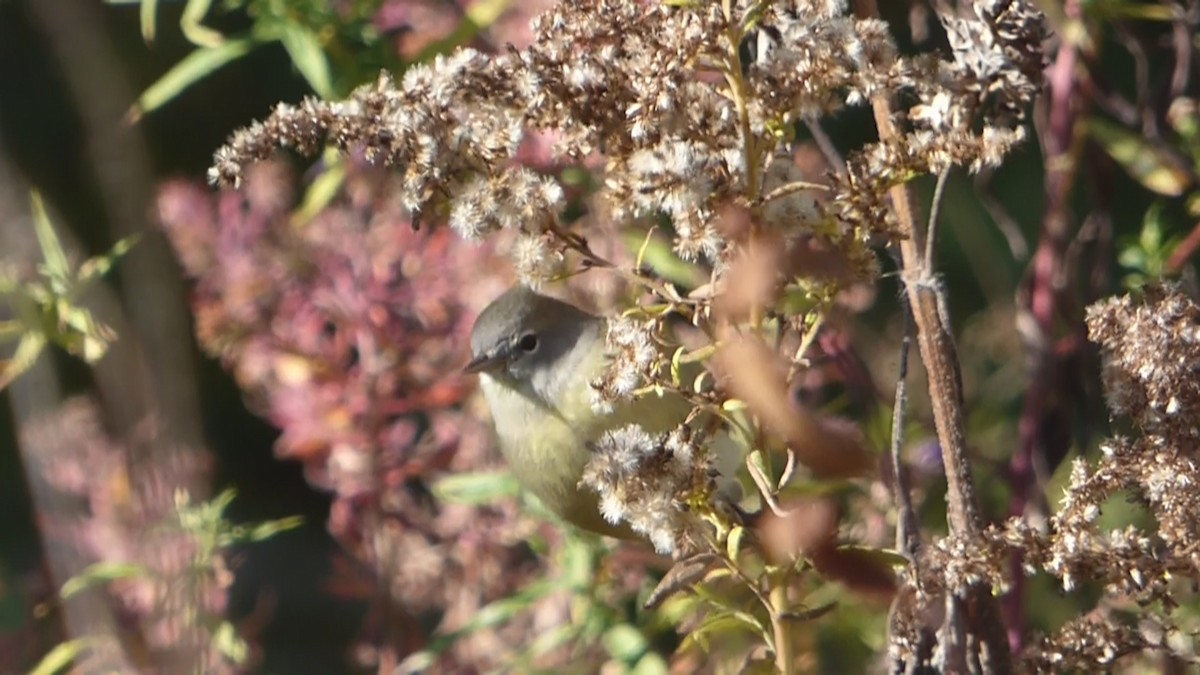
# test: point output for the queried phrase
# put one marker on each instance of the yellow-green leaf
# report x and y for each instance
(308, 56)
(480, 487)
(1153, 167)
(229, 643)
(658, 255)
(100, 265)
(323, 190)
(28, 350)
(53, 256)
(101, 573)
(885, 556)
(624, 642)
(197, 33)
(733, 545)
(193, 68)
(149, 19)
(60, 658)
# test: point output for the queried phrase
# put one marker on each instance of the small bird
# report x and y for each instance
(536, 357)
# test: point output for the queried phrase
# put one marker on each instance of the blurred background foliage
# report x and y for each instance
(89, 88)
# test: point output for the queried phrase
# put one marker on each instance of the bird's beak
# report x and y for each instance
(486, 363)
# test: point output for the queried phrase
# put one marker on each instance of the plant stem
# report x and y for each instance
(785, 660)
(940, 357)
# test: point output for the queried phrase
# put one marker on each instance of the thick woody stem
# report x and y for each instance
(940, 357)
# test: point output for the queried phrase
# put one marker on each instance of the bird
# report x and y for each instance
(537, 357)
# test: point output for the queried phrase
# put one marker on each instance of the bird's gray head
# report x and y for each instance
(530, 340)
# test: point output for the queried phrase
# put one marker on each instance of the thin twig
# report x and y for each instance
(934, 210)
(764, 486)
(826, 146)
(790, 188)
(907, 536)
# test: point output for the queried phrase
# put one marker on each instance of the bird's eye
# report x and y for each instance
(528, 342)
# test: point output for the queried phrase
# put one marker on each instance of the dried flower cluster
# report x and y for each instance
(648, 481)
(634, 358)
(1150, 347)
(683, 123)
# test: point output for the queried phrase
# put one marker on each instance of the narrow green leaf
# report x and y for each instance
(683, 575)
(60, 658)
(55, 259)
(733, 405)
(149, 19)
(308, 56)
(11, 329)
(270, 528)
(197, 33)
(885, 556)
(736, 614)
(28, 350)
(548, 641)
(101, 573)
(721, 622)
(96, 267)
(193, 68)
(481, 487)
(733, 545)
(1115, 10)
(323, 190)
(479, 15)
(675, 365)
(1153, 167)
(660, 257)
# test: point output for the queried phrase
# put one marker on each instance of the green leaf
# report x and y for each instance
(1150, 165)
(683, 575)
(660, 257)
(94, 268)
(1193, 205)
(193, 30)
(624, 642)
(651, 663)
(885, 556)
(227, 642)
(733, 545)
(1116, 10)
(101, 573)
(722, 622)
(323, 190)
(548, 641)
(481, 487)
(733, 405)
(739, 616)
(55, 259)
(675, 365)
(28, 350)
(193, 68)
(479, 15)
(579, 563)
(308, 56)
(270, 528)
(61, 657)
(149, 19)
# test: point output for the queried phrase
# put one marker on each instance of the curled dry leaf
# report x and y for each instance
(807, 528)
(757, 375)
